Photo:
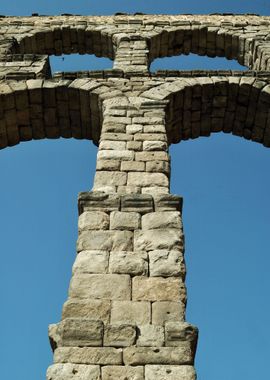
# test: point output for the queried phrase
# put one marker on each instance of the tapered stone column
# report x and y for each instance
(125, 314)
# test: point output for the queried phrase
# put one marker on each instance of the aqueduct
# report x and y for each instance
(125, 313)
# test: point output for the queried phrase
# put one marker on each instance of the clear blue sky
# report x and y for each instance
(225, 183)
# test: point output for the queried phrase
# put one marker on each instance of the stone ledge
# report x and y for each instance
(140, 203)
(116, 73)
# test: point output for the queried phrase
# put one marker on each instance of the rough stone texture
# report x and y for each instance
(163, 263)
(122, 373)
(70, 371)
(105, 241)
(150, 240)
(166, 219)
(72, 332)
(131, 312)
(127, 288)
(93, 220)
(158, 355)
(91, 262)
(132, 263)
(88, 355)
(119, 335)
(151, 336)
(161, 372)
(178, 332)
(167, 311)
(110, 179)
(99, 286)
(158, 289)
(87, 308)
(125, 220)
(147, 179)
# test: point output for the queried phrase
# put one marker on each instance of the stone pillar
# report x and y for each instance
(131, 53)
(125, 314)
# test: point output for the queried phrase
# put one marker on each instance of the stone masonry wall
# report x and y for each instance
(124, 318)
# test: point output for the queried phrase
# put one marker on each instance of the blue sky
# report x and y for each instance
(225, 183)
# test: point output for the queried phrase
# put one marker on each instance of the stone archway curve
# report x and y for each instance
(66, 37)
(214, 37)
(201, 106)
(38, 109)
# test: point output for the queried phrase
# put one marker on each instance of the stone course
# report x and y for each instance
(124, 318)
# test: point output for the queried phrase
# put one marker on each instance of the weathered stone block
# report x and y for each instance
(158, 355)
(88, 355)
(116, 136)
(157, 289)
(148, 120)
(93, 220)
(132, 166)
(147, 179)
(133, 263)
(105, 241)
(125, 220)
(122, 120)
(150, 336)
(168, 202)
(150, 240)
(91, 262)
(154, 145)
(177, 332)
(134, 128)
(122, 155)
(80, 332)
(70, 371)
(122, 373)
(100, 286)
(167, 311)
(112, 145)
(165, 219)
(155, 190)
(158, 167)
(121, 335)
(165, 263)
(138, 313)
(92, 309)
(134, 145)
(109, 129)
(158, 128)
(128, 190)
(109, 178)
(151, 156)
(111, 165)
(150, 137)
(170, 372)
(98, 201)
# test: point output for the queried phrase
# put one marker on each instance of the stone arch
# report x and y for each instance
(200, 106)
(246, 44)
(25, 54)
(37, 109)
(68, 39)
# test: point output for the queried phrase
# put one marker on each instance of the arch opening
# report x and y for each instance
(195, 62)
(40, 184)
(51, 109)
(200, 106)
(247, 47)
(225, 189)
(67, 40)
(77, 63)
